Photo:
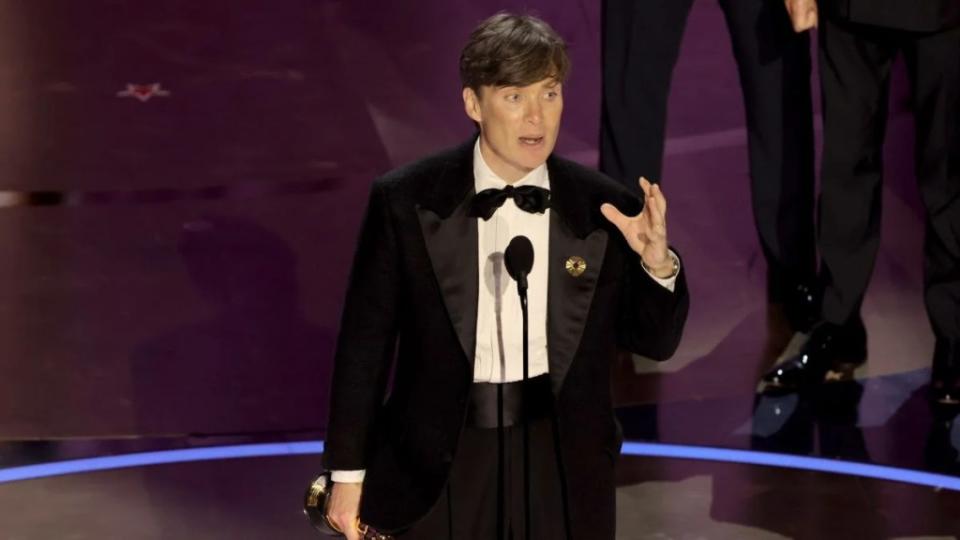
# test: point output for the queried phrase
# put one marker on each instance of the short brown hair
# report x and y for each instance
(512, 50)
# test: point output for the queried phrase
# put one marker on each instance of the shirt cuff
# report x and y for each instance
(669, 283)
(348, 477)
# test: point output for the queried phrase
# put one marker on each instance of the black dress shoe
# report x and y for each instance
(945, 379)
(831, 349)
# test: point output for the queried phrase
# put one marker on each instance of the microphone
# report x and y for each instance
(518, 258)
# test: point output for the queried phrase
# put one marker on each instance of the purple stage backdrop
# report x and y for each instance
(181, 184)
(181, 187)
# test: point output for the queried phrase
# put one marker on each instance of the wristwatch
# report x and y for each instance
(673, 273)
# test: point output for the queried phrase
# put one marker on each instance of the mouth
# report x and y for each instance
(531, 141)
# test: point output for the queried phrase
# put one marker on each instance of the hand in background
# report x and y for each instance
(803, 14)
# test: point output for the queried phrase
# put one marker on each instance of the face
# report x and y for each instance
(518, 124)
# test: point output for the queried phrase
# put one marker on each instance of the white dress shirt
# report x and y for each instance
(499, 351)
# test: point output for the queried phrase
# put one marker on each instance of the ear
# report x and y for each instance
(471, 104)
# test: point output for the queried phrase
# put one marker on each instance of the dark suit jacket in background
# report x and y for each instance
(412, 298)
(909, 15)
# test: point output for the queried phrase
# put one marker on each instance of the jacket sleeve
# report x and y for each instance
(367, 339)
(650, 319)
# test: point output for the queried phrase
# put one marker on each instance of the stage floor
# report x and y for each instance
(260, 497)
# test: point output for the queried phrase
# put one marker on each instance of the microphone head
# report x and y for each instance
(518, 257)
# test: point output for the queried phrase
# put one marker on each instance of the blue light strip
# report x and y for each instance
(788, 461)
(879, 472)
(57, 468)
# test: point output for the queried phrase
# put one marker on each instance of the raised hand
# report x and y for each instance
(646, 232)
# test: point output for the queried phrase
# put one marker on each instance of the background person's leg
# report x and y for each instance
(640, 43)
(774, 67)
(934, 67)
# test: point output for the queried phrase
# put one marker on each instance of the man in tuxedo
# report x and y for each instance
(429, 297)
(641, 44)
(858, 42)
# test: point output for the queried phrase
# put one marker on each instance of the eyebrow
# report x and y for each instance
(514, 87)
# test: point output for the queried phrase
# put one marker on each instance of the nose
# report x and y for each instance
(534, 112)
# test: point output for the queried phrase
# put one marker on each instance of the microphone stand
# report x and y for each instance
(518, 258)
(522, 290)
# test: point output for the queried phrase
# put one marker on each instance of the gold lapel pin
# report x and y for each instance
(576, 266)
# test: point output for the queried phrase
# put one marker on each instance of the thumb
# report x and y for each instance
(613, 215)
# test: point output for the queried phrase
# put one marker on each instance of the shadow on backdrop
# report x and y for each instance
(244, 363)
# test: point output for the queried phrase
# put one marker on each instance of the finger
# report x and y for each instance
(658, 223)
(797, 14)
(656, 205)
(805, 17)
(789, 5)
(647, 189)
(661, 201)
(645, 186)
(650, 210)
(339, 522)
(350, 529)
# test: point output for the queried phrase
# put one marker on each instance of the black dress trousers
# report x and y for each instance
(641, 43)
(474, 504)
(855, 63)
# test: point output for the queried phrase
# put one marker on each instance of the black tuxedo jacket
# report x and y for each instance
(910, 15)
(411, 303)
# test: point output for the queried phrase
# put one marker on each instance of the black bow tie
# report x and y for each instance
(527, 198)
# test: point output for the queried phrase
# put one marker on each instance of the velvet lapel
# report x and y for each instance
(451, 239)
(450, 236)
(572, 234)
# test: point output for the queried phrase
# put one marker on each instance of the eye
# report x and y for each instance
(512, 98)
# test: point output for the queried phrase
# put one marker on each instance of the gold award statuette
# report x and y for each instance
(315, 508)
